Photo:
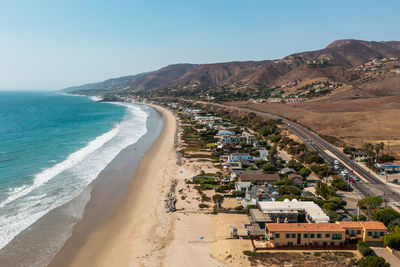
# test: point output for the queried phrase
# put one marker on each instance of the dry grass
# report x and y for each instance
(353, 121)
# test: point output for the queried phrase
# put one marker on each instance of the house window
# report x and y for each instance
(287, 235)
(290, 243)
(369, 233)
(276, 244)
(376, 234)
(312, 235)
(293, 235)
(358, 232)
(276, 235)
(332, 243)
(352, 232)
(325, 243)
(319, 236)
(336, 236)
(327, 235)
(347, 232)
(305, 235)
(382, 233)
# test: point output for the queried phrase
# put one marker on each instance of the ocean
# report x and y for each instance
(52, 147)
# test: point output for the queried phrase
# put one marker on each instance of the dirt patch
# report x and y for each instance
(330, 259)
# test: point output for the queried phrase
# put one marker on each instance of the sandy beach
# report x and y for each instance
(140, 232)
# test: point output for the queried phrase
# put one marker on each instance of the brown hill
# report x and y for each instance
(333, 63)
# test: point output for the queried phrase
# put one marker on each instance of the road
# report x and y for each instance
(317, 143)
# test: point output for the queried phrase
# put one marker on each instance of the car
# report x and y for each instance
(336, 167)
(336, 162)
(356, 178)
(352, 180)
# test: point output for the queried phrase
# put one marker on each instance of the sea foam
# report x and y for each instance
(64, 181)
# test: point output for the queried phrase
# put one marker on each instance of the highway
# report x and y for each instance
(314, 142)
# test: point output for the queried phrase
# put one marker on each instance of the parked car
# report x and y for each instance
(352, 180)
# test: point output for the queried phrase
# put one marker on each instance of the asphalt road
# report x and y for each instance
(317, 143)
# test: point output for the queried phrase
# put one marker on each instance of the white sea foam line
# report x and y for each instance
(72, 159)
(10, 226)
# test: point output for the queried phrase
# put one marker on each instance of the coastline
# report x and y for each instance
(139, 228)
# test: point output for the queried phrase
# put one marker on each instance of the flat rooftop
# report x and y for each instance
(314, 212)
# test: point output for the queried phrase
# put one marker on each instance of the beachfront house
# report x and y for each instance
(259, 193)
(324, 234)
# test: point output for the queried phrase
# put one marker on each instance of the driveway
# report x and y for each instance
(389, 257)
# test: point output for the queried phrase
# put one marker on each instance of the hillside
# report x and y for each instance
(335, 64)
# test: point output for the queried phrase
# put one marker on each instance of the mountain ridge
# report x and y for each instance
(332, 62)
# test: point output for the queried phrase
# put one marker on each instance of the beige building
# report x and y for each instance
(324, 234)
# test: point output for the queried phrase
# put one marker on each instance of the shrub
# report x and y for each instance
(215, 210)
(239, 207)
(364, 249)
(313, 159)
(203, 206)
(217, 198)
(372, 261)
(393, 241)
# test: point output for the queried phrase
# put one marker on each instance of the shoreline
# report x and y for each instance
(131, 234)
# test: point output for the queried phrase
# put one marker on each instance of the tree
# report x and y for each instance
(377, 149)
(267, 167)
(392, 224)
(288, 190)
(371, 202)
(393, 240)
(372, 261)
(364, 249)
(340, 184)
(294, 164)
(386, 216)
(382, 145)
(305, 172)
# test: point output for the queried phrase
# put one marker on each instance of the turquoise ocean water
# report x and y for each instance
(51, 147)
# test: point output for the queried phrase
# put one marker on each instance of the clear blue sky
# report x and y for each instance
(54, 44)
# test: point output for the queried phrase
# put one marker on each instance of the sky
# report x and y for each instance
(50, 45)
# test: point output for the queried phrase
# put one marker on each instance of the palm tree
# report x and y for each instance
(369, 148)
(377, 149)
(382, 145)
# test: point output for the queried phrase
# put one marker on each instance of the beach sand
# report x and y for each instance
(140, 232)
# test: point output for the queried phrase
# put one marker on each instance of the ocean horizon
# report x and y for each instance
(52, 146)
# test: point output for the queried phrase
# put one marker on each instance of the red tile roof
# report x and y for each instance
(373, 225)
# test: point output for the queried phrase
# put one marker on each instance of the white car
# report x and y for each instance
(336, 162)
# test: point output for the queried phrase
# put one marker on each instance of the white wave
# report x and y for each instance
(64, 181)
(49, 173)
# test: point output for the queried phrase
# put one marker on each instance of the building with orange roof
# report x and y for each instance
(324, 234)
